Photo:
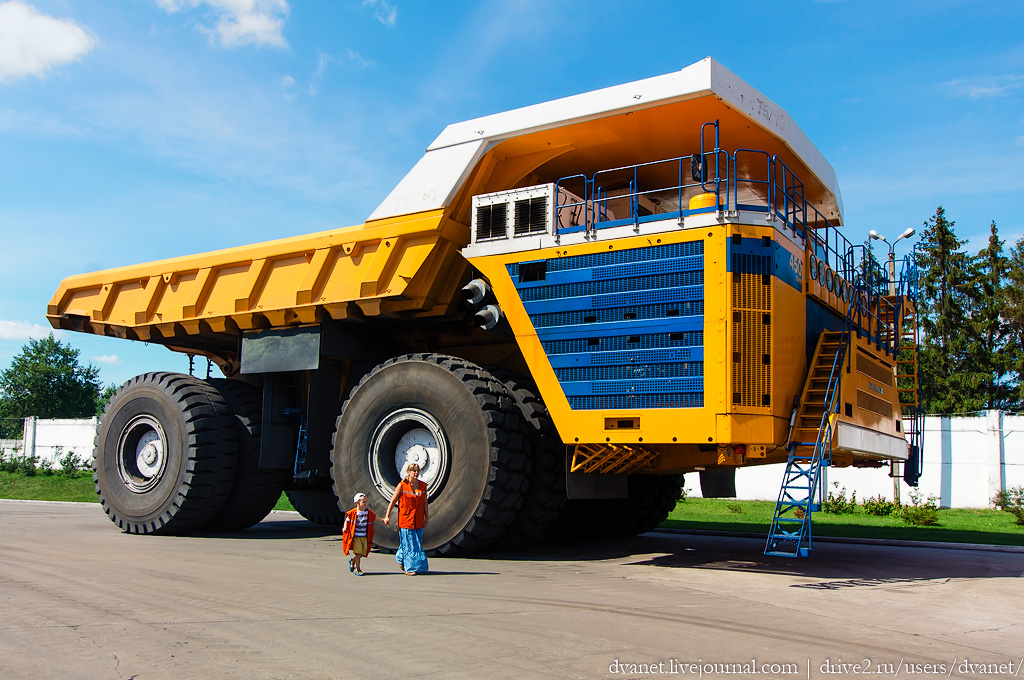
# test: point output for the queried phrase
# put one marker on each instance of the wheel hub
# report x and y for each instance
(408, 436)
(141, 454)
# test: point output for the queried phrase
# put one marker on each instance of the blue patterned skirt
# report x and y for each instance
(410, 555)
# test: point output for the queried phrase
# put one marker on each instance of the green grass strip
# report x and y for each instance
(55, 487)
(959, 525)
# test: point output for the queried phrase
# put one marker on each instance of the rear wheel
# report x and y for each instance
(255, 491)
(662, 492)
(454, 419)
(165, 454)
(651, 499)
(319, 506)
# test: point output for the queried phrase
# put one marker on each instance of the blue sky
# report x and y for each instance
(134, 130)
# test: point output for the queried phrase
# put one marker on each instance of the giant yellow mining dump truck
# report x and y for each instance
(558, 311)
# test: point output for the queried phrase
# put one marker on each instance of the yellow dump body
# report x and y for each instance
(402, 266)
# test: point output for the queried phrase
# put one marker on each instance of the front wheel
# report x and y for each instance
(166, 454)
(459, 424)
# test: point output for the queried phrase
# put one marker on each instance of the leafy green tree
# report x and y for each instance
(989, 367)
(46, 380)
(104, 398)
(946, 298)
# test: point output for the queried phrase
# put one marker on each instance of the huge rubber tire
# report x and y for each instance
(545, 493)
(319, 506)
(459, 423)
(651, 499)
(255, 490)
(662, 493)
(165, 454)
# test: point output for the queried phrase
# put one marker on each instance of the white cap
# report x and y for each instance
(355, 499)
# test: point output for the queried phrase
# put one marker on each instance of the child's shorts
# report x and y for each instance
(359, 546)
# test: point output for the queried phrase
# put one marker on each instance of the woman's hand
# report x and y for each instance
(387, 519)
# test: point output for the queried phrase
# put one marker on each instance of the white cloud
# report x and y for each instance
(32, 43)
(240, 22)
(986, 86)
(357, 58)
(112, 359)
(324, 60)
(385, 12)
(288, 81)
(23, 330)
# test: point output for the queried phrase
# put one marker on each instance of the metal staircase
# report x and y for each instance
(810, 447)
(899, 319)
(908, 389)
(889, 322)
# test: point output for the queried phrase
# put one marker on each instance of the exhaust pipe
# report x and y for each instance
(475, 291)
(488, 317)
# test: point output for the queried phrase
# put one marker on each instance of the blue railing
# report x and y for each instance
(634, 194)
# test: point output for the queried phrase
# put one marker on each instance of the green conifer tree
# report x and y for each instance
(946, 299)
(1013, 314)
(989, 367)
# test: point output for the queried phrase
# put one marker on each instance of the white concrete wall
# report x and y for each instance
(11, 447)
(966, 460)
(52, 439)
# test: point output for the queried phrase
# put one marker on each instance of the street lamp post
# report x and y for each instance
(892, 253)
(896, 467)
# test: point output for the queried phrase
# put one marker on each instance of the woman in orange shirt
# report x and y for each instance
(411, 497)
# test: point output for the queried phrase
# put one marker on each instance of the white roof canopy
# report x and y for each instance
(437, 178)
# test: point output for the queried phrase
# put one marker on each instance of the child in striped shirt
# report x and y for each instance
(357, 533)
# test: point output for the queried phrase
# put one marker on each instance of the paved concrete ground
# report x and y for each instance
(79, 599)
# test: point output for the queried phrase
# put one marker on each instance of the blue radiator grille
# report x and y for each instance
(623, 329)
(634, 342)
(653, 283)
(695, 308)
(620, 256)
(591, 373)
(638, 401)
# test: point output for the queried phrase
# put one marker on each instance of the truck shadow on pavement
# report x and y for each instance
(845, 564)
(278, 530)
(835, 564)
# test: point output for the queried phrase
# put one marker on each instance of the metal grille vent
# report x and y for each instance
(622, 329)
(671, 250)
(751, 338)
(870, 402)
(873, 369)
(491, 221)
(592, 373)
(606, 315)
(613, 344)
(531, 216)
(651, 286)
(692, 400)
